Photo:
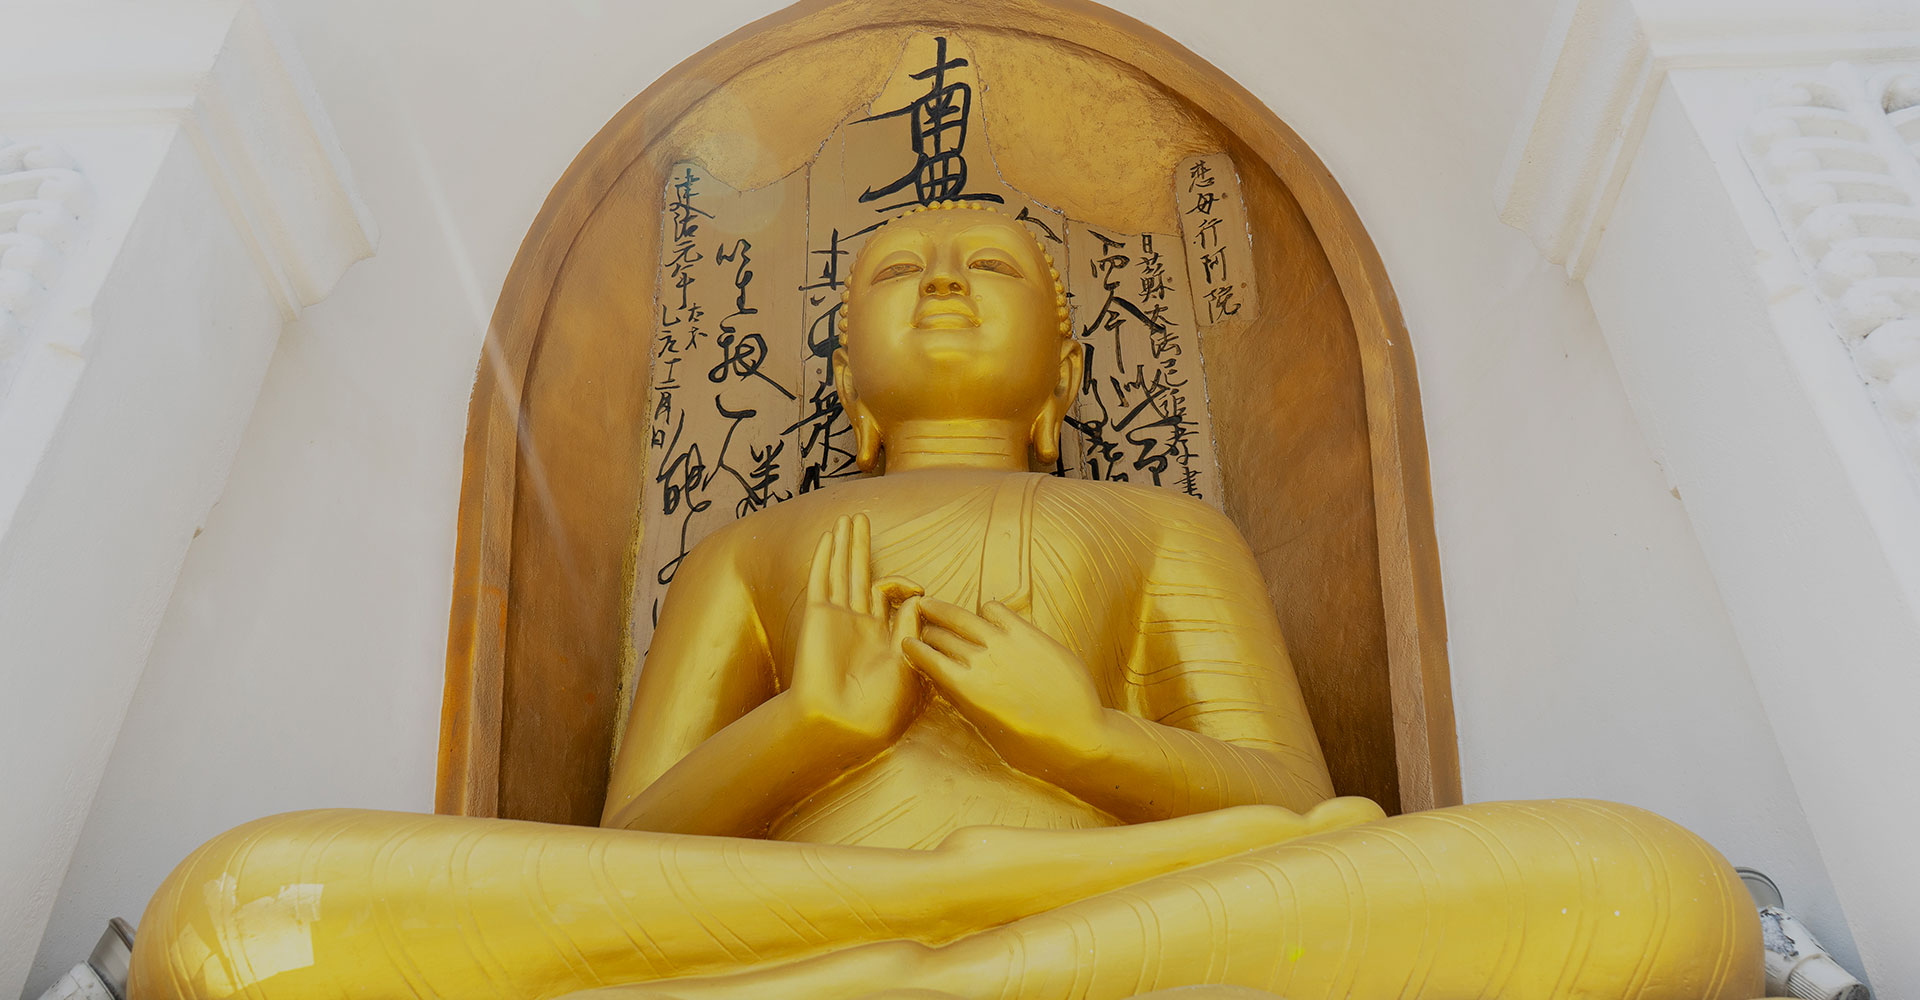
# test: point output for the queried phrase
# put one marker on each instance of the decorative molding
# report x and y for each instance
(43, 199)
(225, 73)
(1838, 155)
(1589, 103)
(1595, 90)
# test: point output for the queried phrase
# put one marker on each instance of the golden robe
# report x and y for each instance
(937, 866)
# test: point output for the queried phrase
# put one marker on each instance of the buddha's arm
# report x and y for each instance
(1141, 770)
(735, 783)
(1217, 694)
(710, 748)
(700, 720)
(1221, 719)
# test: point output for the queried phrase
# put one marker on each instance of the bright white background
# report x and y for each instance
(299, 662)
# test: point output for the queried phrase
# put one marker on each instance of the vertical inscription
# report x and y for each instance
(724, 371)
(1219, 253)
(939, 120)
(913, 146)
(744, 413)
(1142, 412)
(821, 436)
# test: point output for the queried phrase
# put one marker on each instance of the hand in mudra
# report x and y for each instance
(1031, 696)
(848, 674)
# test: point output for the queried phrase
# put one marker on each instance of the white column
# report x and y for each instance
(170, 196)
(1745, 215)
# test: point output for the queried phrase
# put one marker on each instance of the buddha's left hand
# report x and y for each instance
(1035, 701)
(1031, 696)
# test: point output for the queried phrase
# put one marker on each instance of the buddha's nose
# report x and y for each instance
(942, 283)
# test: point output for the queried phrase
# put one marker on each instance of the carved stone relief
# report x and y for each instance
(42, 202)
(1838, 154)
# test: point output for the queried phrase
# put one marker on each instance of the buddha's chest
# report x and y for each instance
(1073, 568)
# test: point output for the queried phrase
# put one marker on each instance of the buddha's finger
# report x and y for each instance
(817, 570)
(958, 620)
(1007, 619)
(937, 666)
(998, 613)
(889, 596)
(860, 566)
(906, 617)
(837, 565)
(954, 645)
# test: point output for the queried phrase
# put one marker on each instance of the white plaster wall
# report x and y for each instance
(1795, 487)
(1591, 653)
(165, 380)
(1679, 19)
(300, 662)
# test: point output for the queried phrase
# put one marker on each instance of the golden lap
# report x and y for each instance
(893, 662)
(1544, 900)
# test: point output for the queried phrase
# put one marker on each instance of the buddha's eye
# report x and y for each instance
(995, 265)
(899, 270)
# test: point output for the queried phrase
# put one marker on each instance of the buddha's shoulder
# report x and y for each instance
(755, 530)
(1168, 513)
(797, 520)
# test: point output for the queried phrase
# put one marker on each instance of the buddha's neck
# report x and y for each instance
(956, 444)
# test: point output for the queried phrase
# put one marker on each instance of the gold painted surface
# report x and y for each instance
(748, 295)
(1292, 431)
(967, 728)
(1331, 489)
(547, 911)
(1097, 136)
(1041, 104)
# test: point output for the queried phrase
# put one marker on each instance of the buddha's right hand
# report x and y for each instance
(850, 681)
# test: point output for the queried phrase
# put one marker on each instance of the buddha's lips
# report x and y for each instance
(947, 315)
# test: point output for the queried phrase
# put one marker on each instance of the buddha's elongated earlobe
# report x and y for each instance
(866, 439)
(1045, 436)
(866, 430)
(1046, 440)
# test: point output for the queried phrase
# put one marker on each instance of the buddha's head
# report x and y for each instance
(955, 315)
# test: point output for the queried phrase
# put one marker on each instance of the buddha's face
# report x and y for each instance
(953, 315)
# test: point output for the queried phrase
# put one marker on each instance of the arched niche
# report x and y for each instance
(1314, 404)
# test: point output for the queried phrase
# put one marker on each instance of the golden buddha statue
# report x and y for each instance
(963, 730)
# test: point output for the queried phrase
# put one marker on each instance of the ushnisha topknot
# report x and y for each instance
(1053, 271)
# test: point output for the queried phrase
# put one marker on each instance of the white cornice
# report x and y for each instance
(1596, 86)
(223, 71)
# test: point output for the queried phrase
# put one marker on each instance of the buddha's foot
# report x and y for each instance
(1210, 993)
(1542, 900)
(1546, 900)
(569, 904)
(916, 993)
(1345, 811)
(1201, 836)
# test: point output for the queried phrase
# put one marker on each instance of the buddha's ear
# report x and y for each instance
(866, 431)
(1046, 426)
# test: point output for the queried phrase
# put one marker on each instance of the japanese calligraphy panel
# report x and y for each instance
(1219, 252)
(1079, 111)
(1142, 412)
(918, 143)
(744, 413)
(725, 369)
